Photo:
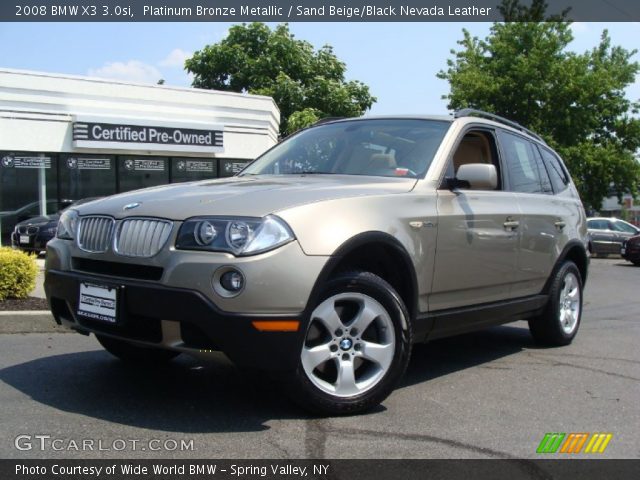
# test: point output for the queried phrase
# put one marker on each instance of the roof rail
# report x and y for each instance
(472, 112)
(326, 120)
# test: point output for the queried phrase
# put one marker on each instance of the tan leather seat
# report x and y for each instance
(472, 149)
(382, 161)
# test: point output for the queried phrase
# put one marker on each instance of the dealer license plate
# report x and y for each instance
(25, 239)
(98, 302)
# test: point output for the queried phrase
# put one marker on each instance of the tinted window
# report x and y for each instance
(622, 227)
(598, 224)
(142, 172)
(545, 181)
(521, 163)
(191, 169)
(557, 174)
(381, 147)
(83, 176)
(229, 167)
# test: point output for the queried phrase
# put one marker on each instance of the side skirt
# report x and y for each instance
(446, 323)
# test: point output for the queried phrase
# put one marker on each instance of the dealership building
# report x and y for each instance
(66, 137)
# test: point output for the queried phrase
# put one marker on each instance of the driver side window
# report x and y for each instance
(476, 146)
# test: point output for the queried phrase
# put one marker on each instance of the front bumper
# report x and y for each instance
(178, 319)
(631, 251)
(36, 243)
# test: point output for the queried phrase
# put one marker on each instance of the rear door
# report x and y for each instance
(543, 215)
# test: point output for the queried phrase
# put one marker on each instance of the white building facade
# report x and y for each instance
(64, 138)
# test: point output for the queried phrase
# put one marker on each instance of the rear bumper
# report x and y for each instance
(179, 319)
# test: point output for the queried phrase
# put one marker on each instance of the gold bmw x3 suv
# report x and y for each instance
(330, 255)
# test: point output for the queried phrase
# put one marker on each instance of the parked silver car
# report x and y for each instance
(332, 253)
(606, 235)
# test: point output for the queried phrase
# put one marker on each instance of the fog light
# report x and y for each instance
(232, 281)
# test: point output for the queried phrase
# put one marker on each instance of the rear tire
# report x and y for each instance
(356, 348)
(559, 323)
(130, 353)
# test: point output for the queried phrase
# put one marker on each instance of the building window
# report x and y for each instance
(184, 169)
(84, 176)
(136, 172)
(228, 167)
(28, 188)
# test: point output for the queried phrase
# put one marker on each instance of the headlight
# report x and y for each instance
(240, 236)
(67, 225)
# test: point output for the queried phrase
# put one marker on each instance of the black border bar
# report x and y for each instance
(569, 468)
(300, 10)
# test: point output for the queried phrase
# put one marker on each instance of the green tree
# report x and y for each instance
(524, 71)
(305, 83)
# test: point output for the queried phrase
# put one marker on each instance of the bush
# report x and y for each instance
(18, 272)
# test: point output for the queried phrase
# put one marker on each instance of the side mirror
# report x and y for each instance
(479, 176)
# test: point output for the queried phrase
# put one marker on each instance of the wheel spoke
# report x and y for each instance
(312, 357)
(573, 294)
(380, 354)
(346, 381)
(563, 316)
(367, 314)
(326, 313)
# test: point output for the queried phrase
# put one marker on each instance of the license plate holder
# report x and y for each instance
(99, 302)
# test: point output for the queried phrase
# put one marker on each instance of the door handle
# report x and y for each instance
(511, 224)
(560, 224)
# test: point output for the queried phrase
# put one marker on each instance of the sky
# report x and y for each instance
(399, 61)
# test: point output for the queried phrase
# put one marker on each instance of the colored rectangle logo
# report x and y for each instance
(573, 443)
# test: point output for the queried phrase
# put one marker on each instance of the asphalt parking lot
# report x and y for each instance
(492, 394)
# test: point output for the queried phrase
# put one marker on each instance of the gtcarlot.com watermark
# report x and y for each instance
(46, 443)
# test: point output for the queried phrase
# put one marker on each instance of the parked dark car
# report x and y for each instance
(606, 235)
(631, 250)
(32, 234)
(9, 219)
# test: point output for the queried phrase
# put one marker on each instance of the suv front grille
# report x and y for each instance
(30, 230)
(141, 237)
(134, 237)
(95, 233)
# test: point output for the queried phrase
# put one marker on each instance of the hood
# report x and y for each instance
(53, 218)
(252, 196)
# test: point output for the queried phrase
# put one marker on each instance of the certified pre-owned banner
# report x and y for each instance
(300, 10)
(185, 138)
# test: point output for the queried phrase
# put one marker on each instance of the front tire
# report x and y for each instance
(135, 354)
(356, 347)
(558, 324)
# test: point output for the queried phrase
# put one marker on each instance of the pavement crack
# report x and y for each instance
(557, 363)
(578, 355)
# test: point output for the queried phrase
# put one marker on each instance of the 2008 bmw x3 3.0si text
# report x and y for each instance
(332, 253)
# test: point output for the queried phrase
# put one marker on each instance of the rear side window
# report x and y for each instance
(598, 224)
(557, 174)
(521, 163)
(545, 180)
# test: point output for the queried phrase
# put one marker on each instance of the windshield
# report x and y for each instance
(621, 226)
(380, 147)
